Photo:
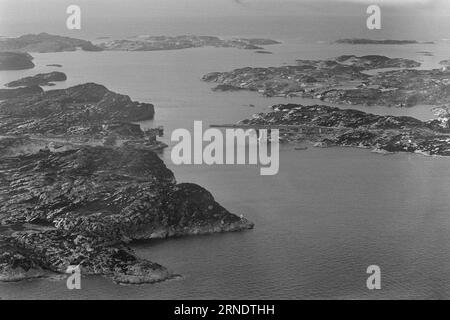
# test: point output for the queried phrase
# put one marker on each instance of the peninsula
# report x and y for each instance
(330, 126)
(68, 199)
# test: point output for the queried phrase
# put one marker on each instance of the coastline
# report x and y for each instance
(157, 106)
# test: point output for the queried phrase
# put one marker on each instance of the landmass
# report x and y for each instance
(41, 79)
(344, 80)
(83, 206)
(66, 200)
(19, 92)
(44, 42)
(426, 53)
(15, 61)
(331, 126)
(89, 110)
(154, 43)
(371, 41)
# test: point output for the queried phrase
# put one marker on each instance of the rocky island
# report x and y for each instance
(69, 203)
(154, 43)
(41, 79)
(15, 61)
(44, 42)
(371, 41)
(344, 80)
(331, 126)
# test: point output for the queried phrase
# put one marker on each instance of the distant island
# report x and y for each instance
(330, 126)
(154, 43)
(343, 80)
(44, 42)
(371, 41)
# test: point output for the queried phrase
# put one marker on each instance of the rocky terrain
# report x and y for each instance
(370, 41)
(344, 80)
(19, 92)
(443, 116)
(82, 206)
(89, 110)
(352, 63)
(153, 43)
(15, 61)
(41, 79)
(70, 194)
(331, 126)
(44, 42)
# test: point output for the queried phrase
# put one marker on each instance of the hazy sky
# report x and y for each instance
(48, 9)
(20, 16)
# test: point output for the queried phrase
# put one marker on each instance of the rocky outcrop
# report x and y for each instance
(44, 42)
(41, 79)
(89, 110)
(81, 207)
(15, 61)
(20, 92)
(329, 126)
(443, 117)
(153, 43)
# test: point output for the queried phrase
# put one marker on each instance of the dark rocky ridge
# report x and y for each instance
(41, 79)
(359, 129)
(83, 205)
(15, 61)
(84, 110)
(44, 42)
